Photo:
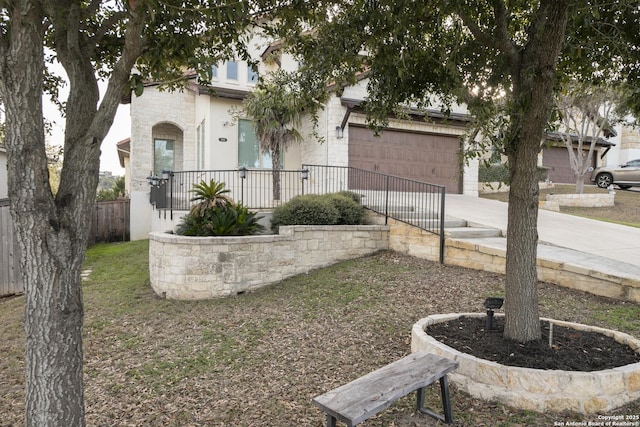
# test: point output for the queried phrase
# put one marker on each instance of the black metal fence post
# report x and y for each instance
(171, 195)
(386, 201)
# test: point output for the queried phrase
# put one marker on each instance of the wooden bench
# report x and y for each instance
(363, 398)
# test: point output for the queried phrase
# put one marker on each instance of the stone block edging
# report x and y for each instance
(553, 202)
(536, 389)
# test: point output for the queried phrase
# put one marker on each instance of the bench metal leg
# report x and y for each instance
(446, 403)
(331, 421)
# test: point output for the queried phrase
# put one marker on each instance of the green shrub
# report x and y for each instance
(310, 209)
(210, 195)
(313, 209)
(500, 173)
(216, 214)
(233, 220)
(350, 194)
(493, 173)
(351, 212)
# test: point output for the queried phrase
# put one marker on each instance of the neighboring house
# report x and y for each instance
(194, 129)
(618, 144)
(124, 150)
(555, 156)
(627, 146)
(4, 191)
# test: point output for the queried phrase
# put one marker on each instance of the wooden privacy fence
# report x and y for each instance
(110, 224)
(10, 273)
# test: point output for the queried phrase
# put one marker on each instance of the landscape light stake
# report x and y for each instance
(490, 304)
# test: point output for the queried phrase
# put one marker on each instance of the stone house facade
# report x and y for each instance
(194, 129)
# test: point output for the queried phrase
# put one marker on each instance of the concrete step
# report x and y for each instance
(471, 232)
(396, 212)
(434, 223)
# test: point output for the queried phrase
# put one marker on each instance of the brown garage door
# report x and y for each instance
(431, 158)
(557, 159)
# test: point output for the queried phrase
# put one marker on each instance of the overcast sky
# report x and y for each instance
(120, 130)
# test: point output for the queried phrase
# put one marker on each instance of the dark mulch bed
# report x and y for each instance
(571, 350)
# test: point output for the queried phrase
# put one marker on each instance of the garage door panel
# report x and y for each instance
(557, 160)
(422, 157)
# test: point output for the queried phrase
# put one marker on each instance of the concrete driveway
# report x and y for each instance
(613, 241)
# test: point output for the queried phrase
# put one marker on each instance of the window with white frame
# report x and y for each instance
(250, 155)
(200, 146)
(214, 72)
(232, 70)
(163, 155)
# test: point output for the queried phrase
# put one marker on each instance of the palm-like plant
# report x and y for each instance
(276, 107)
(216, 214)
(210, 195)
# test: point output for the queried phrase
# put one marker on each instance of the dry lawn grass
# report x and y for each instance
(258, 359)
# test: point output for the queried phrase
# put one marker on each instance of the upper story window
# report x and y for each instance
(232, 70)
(252, 75)
(214, 72)
(200, 146)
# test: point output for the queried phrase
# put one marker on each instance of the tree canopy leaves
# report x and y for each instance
(504, 60)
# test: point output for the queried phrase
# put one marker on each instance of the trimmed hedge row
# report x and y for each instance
(500, 173)
(341, 208)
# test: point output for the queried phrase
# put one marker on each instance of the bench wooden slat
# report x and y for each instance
(361, 399)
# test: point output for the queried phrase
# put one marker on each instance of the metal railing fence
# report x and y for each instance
(416, 203)
(253, 187)
(413, 202)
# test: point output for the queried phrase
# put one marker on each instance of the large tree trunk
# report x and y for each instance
(522, 322)
(51, 247)
(533, 72)
(52, 231)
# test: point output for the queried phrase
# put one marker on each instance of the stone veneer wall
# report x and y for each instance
(464, 253)
(237, 264)
(191, 268)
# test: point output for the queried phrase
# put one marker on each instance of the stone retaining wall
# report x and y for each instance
(465, 253)
(190, 268)
(500, 187)
(206, 267)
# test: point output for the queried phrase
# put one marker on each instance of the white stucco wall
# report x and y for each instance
(127, 175)
(177, 115)
(627, 146)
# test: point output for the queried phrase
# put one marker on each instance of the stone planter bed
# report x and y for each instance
(536, 389)
(553, 202)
